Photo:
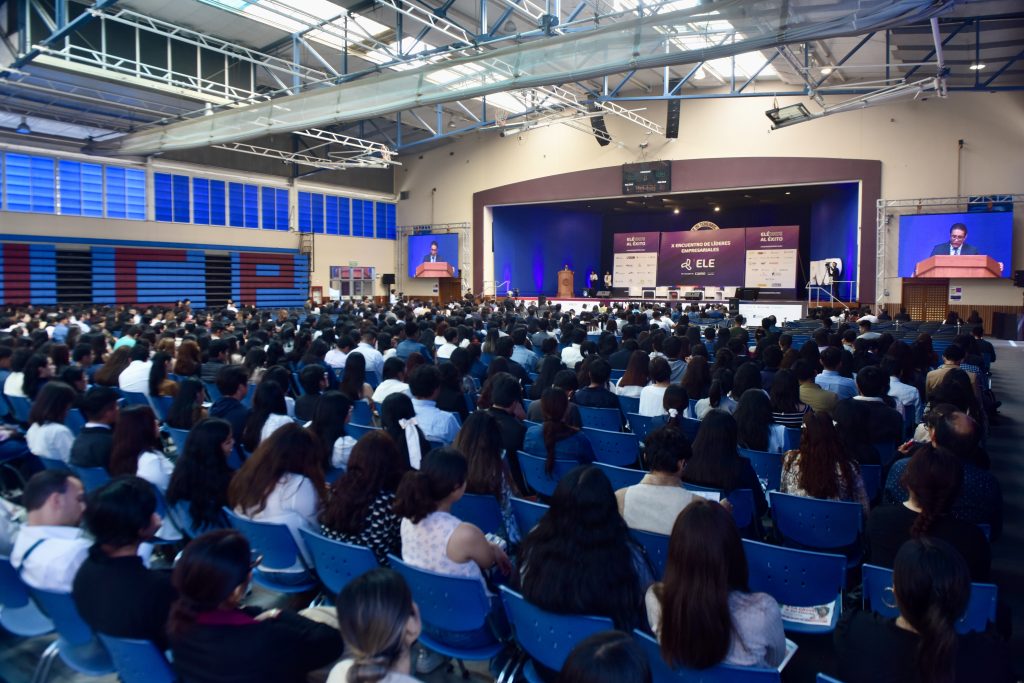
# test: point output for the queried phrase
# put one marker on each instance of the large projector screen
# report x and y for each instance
(433, 249)
(954, 236)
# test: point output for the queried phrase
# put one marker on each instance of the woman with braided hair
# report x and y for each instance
(379, 622)
(215, 639)
(932, 479)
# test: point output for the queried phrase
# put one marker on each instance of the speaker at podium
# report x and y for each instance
(566, 278)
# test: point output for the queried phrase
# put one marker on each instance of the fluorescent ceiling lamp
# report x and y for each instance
(826, 70)
(784, 116)
(977, 67)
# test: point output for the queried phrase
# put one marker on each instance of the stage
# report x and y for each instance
(753, 311)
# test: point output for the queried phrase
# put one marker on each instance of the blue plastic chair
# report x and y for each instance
(358, 431)
(818, 524)
(361, 413)
(337, 562)
(452, 605)
(620, 477)
(138, 661)
(886, 452)
(691, 408)
(134, 398)
(690, 427)
(280, 552)
(609, 419)
(76, 644)
(878, 596)
(178, 436)
(372, 379)
(791, 438)
(526, 405)
(249, 393)
(161, 406)
(481, 510)
(75, 421)
(18, 612)
(613, 448)
(767, 466)
(799, 578)
(539, 480)
(53, 463)
(20, 408)
(527, 513)
(741, 500)
(212, 392)
(639, 424)
(661, 672)
(656, 547)
(629, 404)
(92, 477)
(872, 476)
(546, 637)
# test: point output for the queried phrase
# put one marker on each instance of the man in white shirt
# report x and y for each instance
(51, 547)
(907, 396)
(394, 381)
(571, 354)
(437, 425)
(336, 356)
(368, 347)
(135, 377)
(444, 352)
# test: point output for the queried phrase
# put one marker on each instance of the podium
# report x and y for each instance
(965, 266)
(438, 269)
(565, 280)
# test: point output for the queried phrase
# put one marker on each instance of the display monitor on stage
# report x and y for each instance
(434, 255)
(956, 245)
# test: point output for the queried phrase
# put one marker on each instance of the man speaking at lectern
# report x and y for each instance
(432, 257)
(956, 246)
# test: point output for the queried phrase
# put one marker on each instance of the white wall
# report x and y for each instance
(916, 142)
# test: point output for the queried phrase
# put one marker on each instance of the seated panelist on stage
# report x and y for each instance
(957, 245)
(433, 256)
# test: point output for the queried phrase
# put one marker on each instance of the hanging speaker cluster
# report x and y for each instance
(672, 113)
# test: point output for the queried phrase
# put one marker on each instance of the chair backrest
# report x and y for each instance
(178, 436)
(447, 603)
(372, 379)
(212, 392)
(61, 609)
(661, 672)
(791, 438)
(601, 418)
(801, 578)
(13, 593)
(92, 477)
(690, 427)
(134, 398)
(768, 466)
(161, 405)
(815, 523)
(691, 408)
(872, 476)
(539, 480)
(620, 477)
(629, 404)
(138, 661)
(53, 463)
(337, 562)
(481, 510)
(546, 637)
(273, 541)
(75, 421)
(639, 424)
(613, 448)
(886, 452)
(878, 596)
(656, 546)
(358, 431)
(20, 408)
(527, 513)
(741, 500)
(297, 385)
(361, 413)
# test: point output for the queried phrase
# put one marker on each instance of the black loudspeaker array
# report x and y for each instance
(672, 113)
(387, 279)
(1018, 278)
(600, 131)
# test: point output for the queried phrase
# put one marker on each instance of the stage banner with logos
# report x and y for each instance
(635, 259)
(702, 257)
(772, 257)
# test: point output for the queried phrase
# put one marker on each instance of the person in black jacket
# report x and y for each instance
(214, 639)
(884, 423)
(313, 379)
(93, 444)
(114, 592)
(716, 462)
(233, 384)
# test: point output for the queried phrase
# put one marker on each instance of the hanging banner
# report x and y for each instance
(702, 257)
(635, 259)
(772, 257)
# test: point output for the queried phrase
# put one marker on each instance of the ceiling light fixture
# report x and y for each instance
(23, 128)
(675, 211)
(700, 74)
(826, 70)
(978, 66)
(717, 209)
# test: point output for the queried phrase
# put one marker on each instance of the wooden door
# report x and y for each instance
(449, 289)
(926, 300)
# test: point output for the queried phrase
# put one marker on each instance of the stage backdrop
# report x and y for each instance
(752, 257)
(635, 259)
(772, 257)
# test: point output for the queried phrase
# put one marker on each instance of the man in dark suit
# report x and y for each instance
(93, 444)
(956, 246)
(432, 257)
(884, 423)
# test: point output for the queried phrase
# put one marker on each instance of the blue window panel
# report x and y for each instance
(201, 201)
(269, 214)
(357, 217)
(44, 189)
(282, 210)
(217, 197)
(252, 206)
(318, 213)
(392, 227)
(182, 209)
(344, 212)
(135, 194)
(117, 192)
(30, 184)
(162, 197)
(70, 173)
(305, 212)
(331, 215)
(367, 219)
(92, 190)
(236, 205)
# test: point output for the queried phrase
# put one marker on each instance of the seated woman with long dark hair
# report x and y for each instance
(636, 376)
(359, 508)
(931, 587)
(480, 442)
(717, 464)
(549, 367)
(47, 436)
(787, 410)
(697, 378)
(675, 404)
(819, 468)
(757, 431)
(159, 383)
(215, 639)
(199, 484)
(555, 439)
(581, 559)
(718, 395)
(187, 407)
(703, 611)
(332, 414)
(269, 413)
(137, 449)
(398, 419)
